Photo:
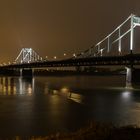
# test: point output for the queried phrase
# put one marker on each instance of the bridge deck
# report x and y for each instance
(93, 61)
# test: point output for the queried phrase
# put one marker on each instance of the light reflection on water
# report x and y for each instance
(51, 104)
(126, 95)
(65, 92)
(13, 86)
(76, 97)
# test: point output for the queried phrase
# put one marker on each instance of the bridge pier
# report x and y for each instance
(20, 72)
(132, 77)
(128, 77)
(26, 72)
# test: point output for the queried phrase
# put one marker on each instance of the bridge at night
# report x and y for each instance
(101, 54)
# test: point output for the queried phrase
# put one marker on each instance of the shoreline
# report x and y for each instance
(94, 131)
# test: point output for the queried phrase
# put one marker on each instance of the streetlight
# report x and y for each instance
(74, 55)
(55, 57)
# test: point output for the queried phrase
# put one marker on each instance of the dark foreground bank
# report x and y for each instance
(95, 131)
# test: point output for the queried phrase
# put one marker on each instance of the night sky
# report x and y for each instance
(55, 27)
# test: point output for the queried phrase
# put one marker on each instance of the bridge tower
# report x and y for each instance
(115, 40)
(27, 55)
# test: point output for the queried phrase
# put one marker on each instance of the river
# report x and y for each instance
(51, 104)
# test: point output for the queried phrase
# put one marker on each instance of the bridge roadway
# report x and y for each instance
(127, 60)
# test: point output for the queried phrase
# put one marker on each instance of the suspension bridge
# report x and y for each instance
(101, 54)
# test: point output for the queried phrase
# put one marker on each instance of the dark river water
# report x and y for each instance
(46, 105)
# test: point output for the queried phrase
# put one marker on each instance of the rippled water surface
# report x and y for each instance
(44, 105)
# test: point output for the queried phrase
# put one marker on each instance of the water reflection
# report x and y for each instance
(7, 86)
(76, 97)
(126, 95)
(57, 105)
(65, 91)
(13, 86)
(26, 86)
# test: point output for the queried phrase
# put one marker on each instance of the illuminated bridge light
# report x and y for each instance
(55, 57)
(74, 55)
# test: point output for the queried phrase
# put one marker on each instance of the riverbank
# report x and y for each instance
(98, 132)
(95, 131)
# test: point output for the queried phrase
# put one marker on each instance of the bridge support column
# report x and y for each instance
(128, 77)
(21, 72)
(78, 69)
(26, 72)
(132, 77)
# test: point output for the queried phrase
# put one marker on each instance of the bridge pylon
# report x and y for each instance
(114, 39)
(27, 55)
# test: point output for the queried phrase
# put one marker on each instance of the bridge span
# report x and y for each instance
(127, 60)
(101, 54)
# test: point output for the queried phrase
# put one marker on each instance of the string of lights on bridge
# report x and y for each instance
(40, 58)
